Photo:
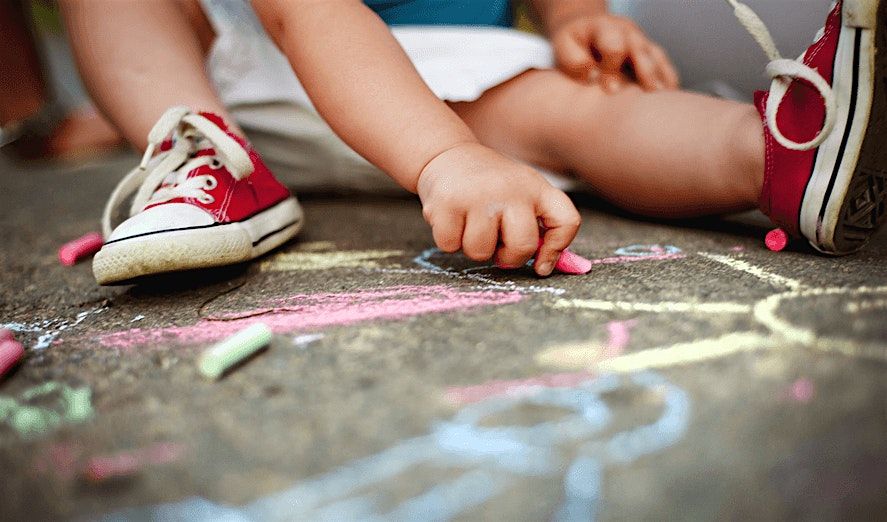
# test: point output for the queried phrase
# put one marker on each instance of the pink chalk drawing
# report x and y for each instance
(518, 387)
(619, 335)
(312, 311)
(802, 390)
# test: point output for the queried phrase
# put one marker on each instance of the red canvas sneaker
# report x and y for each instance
(205, 200)
(826, 128)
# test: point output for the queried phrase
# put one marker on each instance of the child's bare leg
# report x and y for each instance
(665, 153)
(140, 60)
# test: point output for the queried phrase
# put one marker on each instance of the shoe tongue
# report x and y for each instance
(216, 119)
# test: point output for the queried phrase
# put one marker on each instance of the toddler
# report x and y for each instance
(457, 108)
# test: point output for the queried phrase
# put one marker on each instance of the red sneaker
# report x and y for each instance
(826, 128)
(205, 200)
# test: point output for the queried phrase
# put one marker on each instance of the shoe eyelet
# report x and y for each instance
(216, 164)
(206, 199)
(210, 183)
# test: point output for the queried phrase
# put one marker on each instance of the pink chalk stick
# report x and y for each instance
(6, 335)
(568, 263)
(572, 263)
(127, 463)
(77, 249)
(776, 239)
(11, 352)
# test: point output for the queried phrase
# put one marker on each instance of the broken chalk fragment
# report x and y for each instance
(11, 352)
(6, 335)
(776, 239)
(77, 249)
(222, 356)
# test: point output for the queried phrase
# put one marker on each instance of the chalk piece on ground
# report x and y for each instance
(6, 335)
(11, 352)
(572, 263)
(222, 356)
(776, 239)
(79, 248)
(101, 469)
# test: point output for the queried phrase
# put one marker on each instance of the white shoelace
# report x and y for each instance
(165, 176)
(783, 72)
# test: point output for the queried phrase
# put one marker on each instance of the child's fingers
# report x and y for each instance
(447, 230)
(520, 238)
(613, 48)
(561, 221)
(574, 56)
(645, 67)
(480, 237)
(666, 69)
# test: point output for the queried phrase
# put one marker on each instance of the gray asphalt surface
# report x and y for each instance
(693, 374)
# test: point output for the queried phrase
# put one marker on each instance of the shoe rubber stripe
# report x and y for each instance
(197, 227)
(273, 232)
(816, 152)
(850, 117)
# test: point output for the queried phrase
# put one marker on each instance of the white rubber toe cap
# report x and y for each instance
(166, 217)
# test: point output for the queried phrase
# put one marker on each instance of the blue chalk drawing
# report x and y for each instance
(492, 457)
(647, 250)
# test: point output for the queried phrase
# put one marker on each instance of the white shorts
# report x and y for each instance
(257, 84)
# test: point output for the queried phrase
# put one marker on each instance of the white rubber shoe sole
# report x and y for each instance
(200, 247)
(843, 204)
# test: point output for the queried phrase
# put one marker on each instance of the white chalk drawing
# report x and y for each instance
(576, 449)
(48, 330)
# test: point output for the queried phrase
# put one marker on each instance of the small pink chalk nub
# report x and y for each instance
(572, 263)
(11, 352)
(85, 246)
(6, 335)
(776, 239)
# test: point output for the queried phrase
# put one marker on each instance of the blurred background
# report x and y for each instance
(45, 111)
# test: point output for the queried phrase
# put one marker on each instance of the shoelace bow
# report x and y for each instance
(783, 72)
(165, 176)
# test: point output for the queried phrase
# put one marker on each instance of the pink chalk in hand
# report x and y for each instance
(85, 246)
(572, 263)
(776, 239)
(11, 352)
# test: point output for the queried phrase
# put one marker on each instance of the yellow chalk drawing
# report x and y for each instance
(571, 355)
(782, 333)
(686, 353)
(315, 246)
(661, 307)
(44, 408)
(298, 261)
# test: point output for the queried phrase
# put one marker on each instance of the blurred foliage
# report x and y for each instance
(45, 14)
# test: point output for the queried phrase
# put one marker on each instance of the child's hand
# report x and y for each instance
(480, 202)
(599, 47)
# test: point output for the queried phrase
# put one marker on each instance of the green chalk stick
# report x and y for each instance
(218, 358)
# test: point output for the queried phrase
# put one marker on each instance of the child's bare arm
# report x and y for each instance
(581, 29)
(363, 83)
(367, 89)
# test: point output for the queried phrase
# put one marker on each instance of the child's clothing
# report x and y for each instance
(443, 12)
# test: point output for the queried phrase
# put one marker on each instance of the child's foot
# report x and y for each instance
(205, 200)
(826, 129)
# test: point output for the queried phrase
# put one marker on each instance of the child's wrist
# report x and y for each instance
(437, 156)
